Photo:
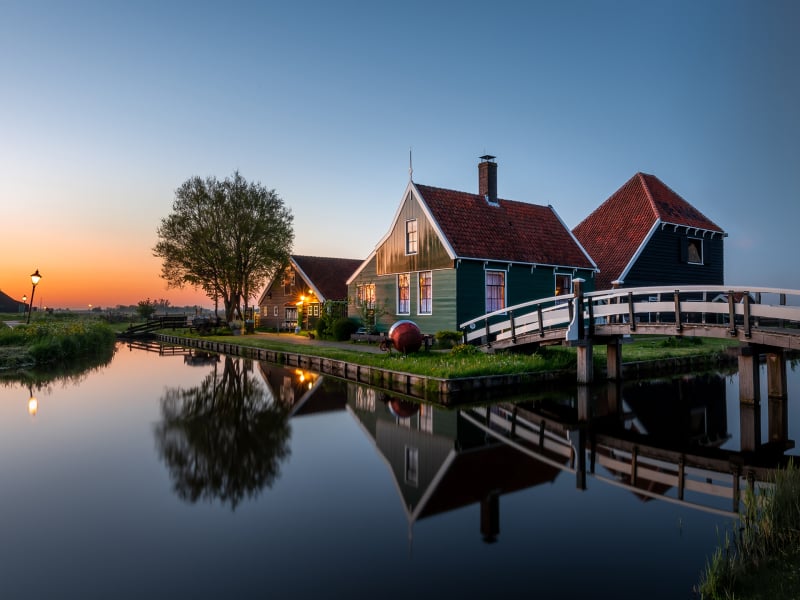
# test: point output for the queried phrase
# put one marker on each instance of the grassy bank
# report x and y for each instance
(466, 361)
(53, 341)
(761, 559)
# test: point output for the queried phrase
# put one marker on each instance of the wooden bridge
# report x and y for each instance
(697, 478)
(762, 319)
(753, 315)
(153, 325)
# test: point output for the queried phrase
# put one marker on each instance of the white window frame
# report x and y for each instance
(407, 310)
(689, 242)
(409, 251)
(555, 285)
(420, 298)
(486, 289)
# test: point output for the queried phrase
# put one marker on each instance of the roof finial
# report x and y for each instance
(410, 166)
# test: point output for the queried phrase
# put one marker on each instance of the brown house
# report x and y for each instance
(296, 296)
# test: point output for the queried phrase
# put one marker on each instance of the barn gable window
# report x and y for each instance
(694, 251)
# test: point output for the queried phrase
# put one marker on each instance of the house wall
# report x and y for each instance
(523, 284)
(664, 261)
(283, 296)
(443, 313)
(459, 294)
(431, 254)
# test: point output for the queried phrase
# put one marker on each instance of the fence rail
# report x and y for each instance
(739, 311)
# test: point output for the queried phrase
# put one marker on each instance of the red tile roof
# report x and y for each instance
(329, 275)
(511, 231)
(617, 228)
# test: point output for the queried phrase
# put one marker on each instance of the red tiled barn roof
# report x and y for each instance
(617, 228)
(329, 275)
(512, 231)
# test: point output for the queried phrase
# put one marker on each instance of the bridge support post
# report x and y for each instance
(585, 370)
(777, 412)
(614, 359)
(749, 407)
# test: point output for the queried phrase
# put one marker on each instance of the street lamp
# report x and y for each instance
(25, 302)
(35, 277)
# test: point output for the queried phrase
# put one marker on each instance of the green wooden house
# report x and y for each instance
(451, 256)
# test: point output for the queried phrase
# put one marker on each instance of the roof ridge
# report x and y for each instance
(648, 193)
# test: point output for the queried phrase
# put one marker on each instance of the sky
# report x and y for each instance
(107, 107)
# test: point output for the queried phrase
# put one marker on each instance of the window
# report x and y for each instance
(426, 418)
(412, 465)
(315, 310)
(694, 251)
(425, 293)
(403, 294)
(275, 311)
(411, 236)
(563, 285)
(291, 315)
(366, 294)
(495, 290)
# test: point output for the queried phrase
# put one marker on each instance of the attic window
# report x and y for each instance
(411, 236)
(694, 251)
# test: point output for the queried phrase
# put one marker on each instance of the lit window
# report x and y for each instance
(563, 285)
(411, 236)
(425, 293)
(495, 290)
(403, 294)
(365, 294)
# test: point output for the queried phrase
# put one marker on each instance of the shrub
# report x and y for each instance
(446, 339)
(343, 328)
(464, 350)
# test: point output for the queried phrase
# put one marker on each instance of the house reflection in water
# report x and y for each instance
(440, 461)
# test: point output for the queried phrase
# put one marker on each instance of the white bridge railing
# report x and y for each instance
(739, 309)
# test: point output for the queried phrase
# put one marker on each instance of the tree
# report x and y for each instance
(146, 308)
(226, 238)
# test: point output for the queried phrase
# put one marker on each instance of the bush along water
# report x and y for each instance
(761, 558)
(48, 342)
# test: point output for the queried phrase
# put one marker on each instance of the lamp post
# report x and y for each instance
(25, 302)
(35, 277)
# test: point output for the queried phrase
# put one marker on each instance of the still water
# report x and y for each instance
(178, 475)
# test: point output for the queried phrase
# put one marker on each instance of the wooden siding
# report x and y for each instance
(281, 298)
(663, 262)
(431, 253)
(443, 314)
(522, 284)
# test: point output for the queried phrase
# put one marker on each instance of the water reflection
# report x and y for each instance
(224, 439)
(441, 461)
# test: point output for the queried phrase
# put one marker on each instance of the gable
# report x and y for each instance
(392, 255)
(616, 233)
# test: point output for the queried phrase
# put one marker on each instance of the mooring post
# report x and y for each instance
(777, 410)
(749, 408)
(614, 359)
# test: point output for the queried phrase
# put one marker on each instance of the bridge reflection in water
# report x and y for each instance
(663, 439)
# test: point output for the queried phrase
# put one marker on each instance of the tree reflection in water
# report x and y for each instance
(224, 439)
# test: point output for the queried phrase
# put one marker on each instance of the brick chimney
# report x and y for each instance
(487, 178)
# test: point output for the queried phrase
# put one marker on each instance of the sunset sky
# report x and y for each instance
(107, 107)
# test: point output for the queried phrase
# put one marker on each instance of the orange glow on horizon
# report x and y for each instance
(104, 281)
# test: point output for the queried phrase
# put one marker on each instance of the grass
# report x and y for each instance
(50, 340)
(469, 362)
(762, 559)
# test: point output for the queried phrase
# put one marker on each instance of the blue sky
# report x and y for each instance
(107, 107)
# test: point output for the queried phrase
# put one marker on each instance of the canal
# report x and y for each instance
(180, 474)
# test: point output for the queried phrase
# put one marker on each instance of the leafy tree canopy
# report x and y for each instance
(226, 238)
